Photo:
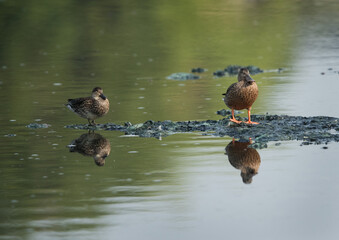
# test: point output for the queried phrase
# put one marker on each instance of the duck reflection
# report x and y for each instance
(93, 145)
(244, 158)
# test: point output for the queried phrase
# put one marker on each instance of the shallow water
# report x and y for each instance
(184, 185)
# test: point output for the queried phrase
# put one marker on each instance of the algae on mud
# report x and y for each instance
(309, 130)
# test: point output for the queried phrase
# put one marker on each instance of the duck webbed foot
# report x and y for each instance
(233, 118)
(250, 122)
(249, 118)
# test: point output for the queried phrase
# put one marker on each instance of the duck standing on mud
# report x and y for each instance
(91, 107)
(241, 95)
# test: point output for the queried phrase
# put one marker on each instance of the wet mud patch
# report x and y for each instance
(308, 130)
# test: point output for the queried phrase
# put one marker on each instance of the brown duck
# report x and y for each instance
(244, 158)
(91, 107)
(241, 95)
(93, 145)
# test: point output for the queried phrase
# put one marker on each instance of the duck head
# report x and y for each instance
(100, 159)
(244, 75)
(247, 174)
(98, 93)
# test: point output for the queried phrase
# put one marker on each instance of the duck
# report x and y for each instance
(92, 145)
(91, 108)
(244, 158)
(242, 95)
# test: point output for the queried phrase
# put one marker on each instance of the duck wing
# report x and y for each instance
(79, 103)
(231, 88)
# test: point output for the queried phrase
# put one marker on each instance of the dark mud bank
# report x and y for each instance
(309, 130)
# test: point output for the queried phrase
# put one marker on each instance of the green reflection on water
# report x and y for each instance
(129, 48)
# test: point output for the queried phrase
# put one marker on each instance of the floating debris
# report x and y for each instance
(38, 125)
(219, 73)
(234, 69)
(183, 76)
(10, 135)
(198, 70)
(133, 152)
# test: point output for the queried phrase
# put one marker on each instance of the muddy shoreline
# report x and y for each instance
(308, 130)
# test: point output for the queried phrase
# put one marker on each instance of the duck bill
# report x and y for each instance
(102, 96)
(249, 79)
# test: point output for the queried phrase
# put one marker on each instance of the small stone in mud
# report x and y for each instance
(183, 76)
(198, 70)
(322, 73)
(38, 125)
(324, 147)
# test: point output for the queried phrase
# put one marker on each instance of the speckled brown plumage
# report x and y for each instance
(92, 145)
(244, 158)
(242, 94)
(91, 108)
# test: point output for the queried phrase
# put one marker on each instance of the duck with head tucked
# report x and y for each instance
(242, 94)
(91, 108)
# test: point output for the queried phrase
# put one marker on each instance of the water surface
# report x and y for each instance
(183, 186)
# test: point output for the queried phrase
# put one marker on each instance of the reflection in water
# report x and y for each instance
(93, 145)
(244, 158)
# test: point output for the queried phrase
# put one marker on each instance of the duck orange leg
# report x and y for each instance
(249, 117)
(233, 118)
